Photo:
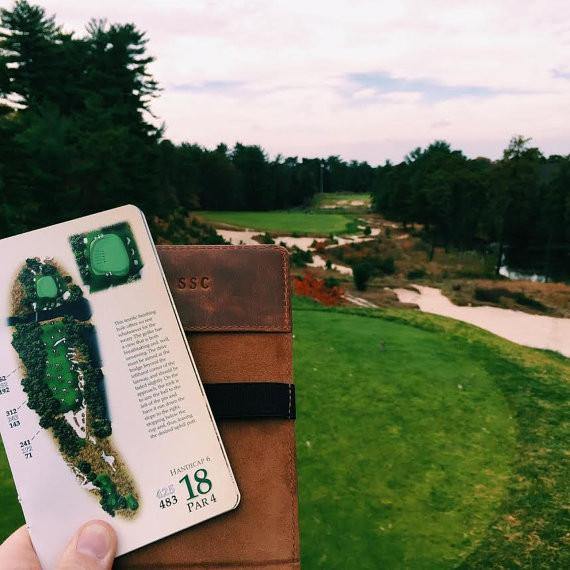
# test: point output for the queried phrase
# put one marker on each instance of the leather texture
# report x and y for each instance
(234, 303)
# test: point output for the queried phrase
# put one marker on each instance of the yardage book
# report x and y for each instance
(102, 412)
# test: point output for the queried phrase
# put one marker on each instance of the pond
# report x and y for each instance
(536, 265)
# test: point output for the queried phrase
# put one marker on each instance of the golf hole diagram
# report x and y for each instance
(57, 346)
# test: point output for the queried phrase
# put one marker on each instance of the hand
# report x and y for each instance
(93, 547)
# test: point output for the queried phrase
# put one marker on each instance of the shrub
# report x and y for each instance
(491, 295)
(387, 266)
(318, 289)
(328, 264)
(102, 428)
(352, 227)
(522, 299)
(331, 282)
(266, 239)
(367, 230)
(417, 273)
(300, 258)
(320, 246)
(494, 294)
(361, 274)
(69, 442)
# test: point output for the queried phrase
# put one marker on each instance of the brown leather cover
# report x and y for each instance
(234, 303)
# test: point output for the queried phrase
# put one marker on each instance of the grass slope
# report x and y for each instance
(404, 452)
(445, 449)
(283, 221)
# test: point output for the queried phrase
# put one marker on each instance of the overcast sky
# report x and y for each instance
(367, 80)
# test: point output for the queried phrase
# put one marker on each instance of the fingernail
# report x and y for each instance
(94, 541)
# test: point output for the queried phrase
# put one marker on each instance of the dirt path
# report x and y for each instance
(536, 331)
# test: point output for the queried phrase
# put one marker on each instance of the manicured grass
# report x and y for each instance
(61, 379)
(46, 287)
(405, 444)
(108, 254)
(426, 443)
(283, 221)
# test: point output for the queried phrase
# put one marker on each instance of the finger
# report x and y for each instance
(18, 553)
(92, 548)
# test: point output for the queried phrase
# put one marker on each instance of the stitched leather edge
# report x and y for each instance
(286, 310)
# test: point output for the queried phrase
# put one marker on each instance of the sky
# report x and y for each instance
(365, 80)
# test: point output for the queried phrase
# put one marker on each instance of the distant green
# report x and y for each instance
(108, 254)
(283, 221)
(46, 287)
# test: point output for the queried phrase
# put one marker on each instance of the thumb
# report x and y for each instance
(93, 547)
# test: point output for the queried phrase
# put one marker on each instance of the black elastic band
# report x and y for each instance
(245, 400)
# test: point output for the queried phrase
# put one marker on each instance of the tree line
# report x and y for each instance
(77, 135)
(521, 200)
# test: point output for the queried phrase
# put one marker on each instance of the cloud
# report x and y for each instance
(559, 74)
(378, 84)
(219, 86)
(367, 80)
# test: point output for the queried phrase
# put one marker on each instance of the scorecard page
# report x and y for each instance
(102, 412)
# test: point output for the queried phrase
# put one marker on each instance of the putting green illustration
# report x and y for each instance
(107, 257)
(64, 383)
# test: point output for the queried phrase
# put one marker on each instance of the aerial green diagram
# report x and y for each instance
(57, 346)
(107, 257)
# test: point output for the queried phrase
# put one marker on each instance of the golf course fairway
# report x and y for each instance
(422, 443)
(302, 222)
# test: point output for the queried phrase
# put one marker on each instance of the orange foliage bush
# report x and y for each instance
(320, 246)
(310, 286)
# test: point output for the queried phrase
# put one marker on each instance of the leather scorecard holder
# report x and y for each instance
(234, 304)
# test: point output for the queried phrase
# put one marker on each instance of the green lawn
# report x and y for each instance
(284, 221)
(426, 443)
(61, 379)
(422, 443)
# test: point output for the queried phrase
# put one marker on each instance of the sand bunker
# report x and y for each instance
(536, 331)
